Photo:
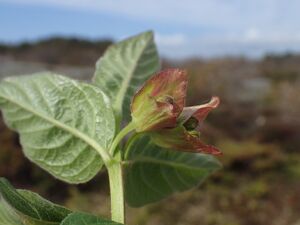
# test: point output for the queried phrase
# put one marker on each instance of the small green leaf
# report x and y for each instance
(153, 173)
(124, 67)
(86, 219)
(62, 123)
(28, 207)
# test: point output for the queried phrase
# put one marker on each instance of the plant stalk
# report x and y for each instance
(120, 136)
(115, 174)
(117, 192)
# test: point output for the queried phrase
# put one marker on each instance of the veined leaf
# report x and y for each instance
(86, 219)
(153, 173)
(7, 215)
(124, 67)
(29, 207)
(61, 123)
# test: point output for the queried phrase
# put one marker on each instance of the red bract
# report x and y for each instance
(158, 108)
(186, 136)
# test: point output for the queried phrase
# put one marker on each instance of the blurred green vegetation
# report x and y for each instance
(257, 126)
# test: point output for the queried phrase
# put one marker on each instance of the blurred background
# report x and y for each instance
(246, 52)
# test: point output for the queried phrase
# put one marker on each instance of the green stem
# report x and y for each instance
(120, 136)
(116, 192)
(115, 174)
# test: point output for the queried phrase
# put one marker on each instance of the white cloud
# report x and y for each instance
(252, 34)
(173, 40)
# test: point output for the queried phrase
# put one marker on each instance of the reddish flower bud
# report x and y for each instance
(185, 136)
(159, 102)
(158, 107)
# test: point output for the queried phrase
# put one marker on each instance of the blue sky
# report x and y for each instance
(207, 28)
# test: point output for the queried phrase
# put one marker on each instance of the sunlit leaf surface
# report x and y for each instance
(60, 121)
(124, 67)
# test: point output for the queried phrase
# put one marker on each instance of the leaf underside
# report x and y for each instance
(86, 219)
(7, 215)
(28, 207)
(153, 173)
(58, 119)
(124, 68)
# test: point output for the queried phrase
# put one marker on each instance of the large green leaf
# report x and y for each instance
(124, 67)
(29, 207)
(153, 173)
(61, 123)
(86, 219)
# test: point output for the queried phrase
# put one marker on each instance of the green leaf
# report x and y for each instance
(153, 173)
(86, 219)
(29, 207)
(7, 215)
(124, 67)
(62, 123)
